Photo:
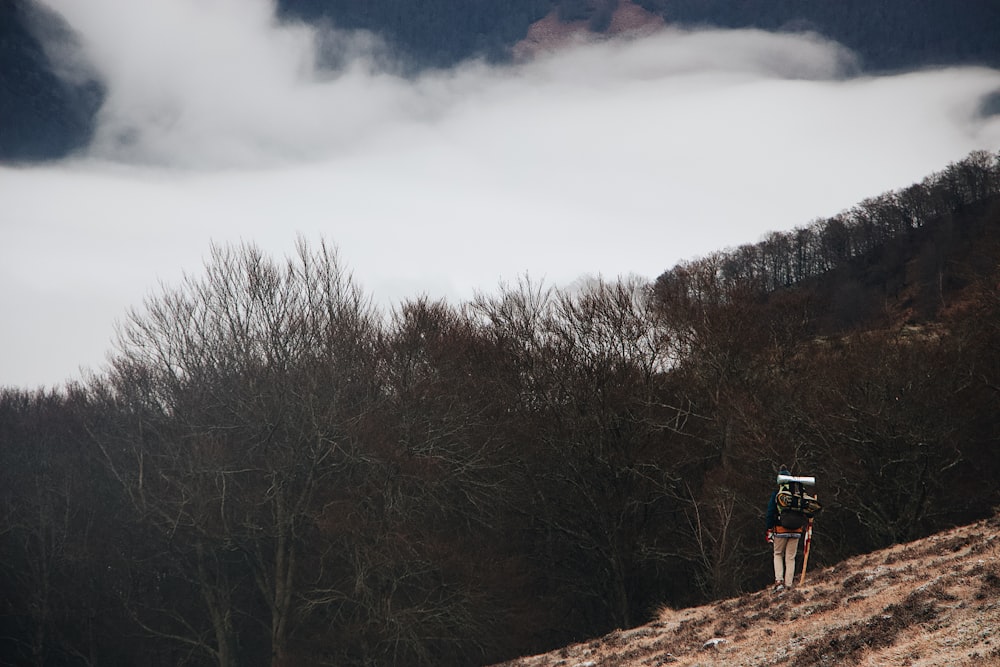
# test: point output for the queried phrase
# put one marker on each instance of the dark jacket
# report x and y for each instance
(772, 511)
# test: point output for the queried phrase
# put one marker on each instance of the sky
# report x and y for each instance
(605, 158)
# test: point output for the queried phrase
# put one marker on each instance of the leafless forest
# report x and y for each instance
(270, 470)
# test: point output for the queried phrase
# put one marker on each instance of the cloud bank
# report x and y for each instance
(611, 158)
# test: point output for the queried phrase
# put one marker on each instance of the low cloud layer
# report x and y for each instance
(606, 158)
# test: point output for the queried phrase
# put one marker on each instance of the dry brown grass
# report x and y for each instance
(932, 602)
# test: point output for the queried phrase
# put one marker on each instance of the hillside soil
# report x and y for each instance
(932, 602)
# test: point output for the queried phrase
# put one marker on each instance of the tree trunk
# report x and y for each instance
(216, 595)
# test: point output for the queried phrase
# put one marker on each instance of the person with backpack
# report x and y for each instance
(783, 535)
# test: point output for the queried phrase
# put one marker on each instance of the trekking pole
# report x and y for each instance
(805, 553)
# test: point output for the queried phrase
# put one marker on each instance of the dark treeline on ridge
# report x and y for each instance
(269, 471)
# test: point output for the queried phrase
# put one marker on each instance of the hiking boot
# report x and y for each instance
(779, 586)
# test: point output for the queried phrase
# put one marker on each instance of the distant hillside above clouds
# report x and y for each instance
(45, 115)
(887, 34)
(929, 603)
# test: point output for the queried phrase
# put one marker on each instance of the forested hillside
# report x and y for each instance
(887, 34)
(47, 111)
(42, 114)
(272, 471)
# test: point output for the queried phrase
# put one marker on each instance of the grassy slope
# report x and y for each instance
(935, 601)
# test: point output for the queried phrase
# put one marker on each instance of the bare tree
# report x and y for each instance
(238, 387)
(589, 363)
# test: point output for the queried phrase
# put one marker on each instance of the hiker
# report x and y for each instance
(784, 540)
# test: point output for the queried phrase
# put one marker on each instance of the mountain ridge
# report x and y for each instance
(926, 603)
(45, 117)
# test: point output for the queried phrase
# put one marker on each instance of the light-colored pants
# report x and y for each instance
(784, 558)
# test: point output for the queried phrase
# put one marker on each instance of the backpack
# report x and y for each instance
(795, 506)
